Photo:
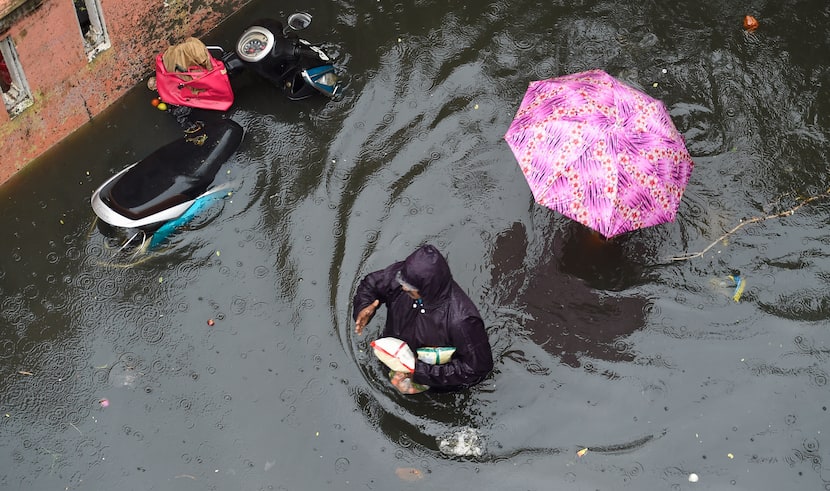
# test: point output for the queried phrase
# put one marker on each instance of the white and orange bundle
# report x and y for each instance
(395, 354)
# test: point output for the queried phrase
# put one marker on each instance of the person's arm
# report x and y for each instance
(374, 289)
(471, 363)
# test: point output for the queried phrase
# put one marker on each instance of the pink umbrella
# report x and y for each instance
(600, 152)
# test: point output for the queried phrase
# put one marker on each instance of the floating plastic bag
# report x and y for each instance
(732, 286)
(464, 442)
(740, 285)
(395, 354)
(435, 355)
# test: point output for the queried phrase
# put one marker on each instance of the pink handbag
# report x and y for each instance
(197, 87)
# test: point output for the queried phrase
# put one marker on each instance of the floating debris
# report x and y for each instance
(740, 284)
(409, 474)
(750, 23)
(582, 452)
(732, 286)
(693, 477)
(463, 443)
(104, 402)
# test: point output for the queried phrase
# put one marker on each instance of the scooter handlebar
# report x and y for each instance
(302, 51)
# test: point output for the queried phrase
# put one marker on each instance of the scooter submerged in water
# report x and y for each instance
(300, 69)
(192, 75)
(150, 199)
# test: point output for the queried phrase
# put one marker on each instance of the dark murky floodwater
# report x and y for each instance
(646, 362)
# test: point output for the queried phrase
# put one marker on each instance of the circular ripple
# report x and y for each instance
(800, 342)
(819, 378)
(341, 465)
(313, 341)
(635, 471)
(87, 448)
(60, 365)
(85, 281)
(495, 10)
(31, 292)
(388, 118)
(73, 253)
(7, 348)
(187, 270)
(238, 305)
(152, 332)
(95, 251)
(288, 396)
(58, 415)
(106, 288)
(159, 366)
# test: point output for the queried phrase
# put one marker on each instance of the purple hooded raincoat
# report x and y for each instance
(445, 317)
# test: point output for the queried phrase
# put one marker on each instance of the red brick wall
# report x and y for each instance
(67, 90)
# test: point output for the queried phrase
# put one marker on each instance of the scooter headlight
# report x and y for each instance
(329, 79)
(322, 78)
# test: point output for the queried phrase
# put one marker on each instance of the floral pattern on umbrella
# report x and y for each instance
(600, 152)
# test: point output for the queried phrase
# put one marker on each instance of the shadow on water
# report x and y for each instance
(226, 359)
(569, 291)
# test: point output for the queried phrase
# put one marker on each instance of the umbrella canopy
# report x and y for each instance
(600, 152)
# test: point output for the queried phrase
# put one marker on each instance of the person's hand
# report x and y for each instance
(403, 382)
(365, 316)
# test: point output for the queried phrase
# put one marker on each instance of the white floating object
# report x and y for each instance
(395, 354)
(693, 477)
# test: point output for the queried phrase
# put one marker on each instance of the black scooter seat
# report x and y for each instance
(175, 173)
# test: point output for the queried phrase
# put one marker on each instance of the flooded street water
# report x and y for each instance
(646, 361)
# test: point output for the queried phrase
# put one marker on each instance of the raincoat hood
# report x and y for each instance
(428, 271)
